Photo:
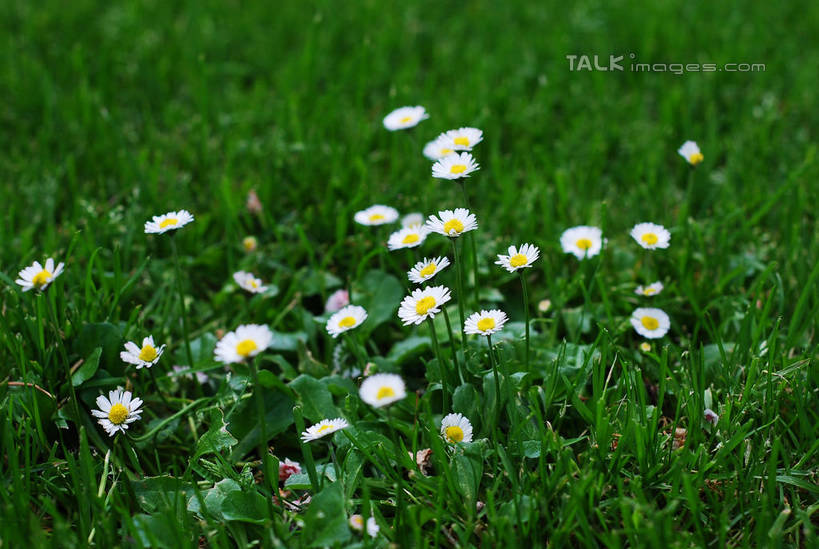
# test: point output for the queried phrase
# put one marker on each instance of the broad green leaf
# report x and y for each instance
(217, 438)
(325, 523)
(316, 398)
(88, 368)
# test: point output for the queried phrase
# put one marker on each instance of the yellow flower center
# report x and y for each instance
(462, 141)
(424, 304)
(696, 158)
(376, 217)
(518, 260)
(453, 225)
(346, 322)
(323, 428)
(650, 323)
(249, 244)
(584, 243)
(117, 414)
(148, 353)
(358, 522)
(445, 151)
(649, 291)
(646, 347)
(485, 324)
(168, 222)
(457, 168)
(41, 278)
(649, 238)
(385, 392)
(454, 433)
(244, 348)
(411, 238)
(405, 119)
(428, 270)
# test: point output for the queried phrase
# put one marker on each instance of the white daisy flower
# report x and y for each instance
(485, 322)
(464, 138)
(37, 276)
(456, 428)
(455, 166)
(372, 527)
(249, 243)
(452, 223)
(408, 237)
(117, 411)
(439, 148)
(414, 218)
(691, 152)
(382, 389)
(426, 269)
(651, 236)
(582, 241)
(645, 346)
(346, 319)
(422, 304)
(248, 282)
(652, 289)
(337, 300)
(323, 428)
(376, 215)
(146, 356)
(405, 117)
(168, 222)
(247, 341)
(518, 258)
(356, 522)
(650, 323)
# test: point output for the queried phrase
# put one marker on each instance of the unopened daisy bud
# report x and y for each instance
(356, 522)
(691, 152)
(710, 416)
(645, 346)
(337, 300)
(253, 204)
(249, 243)
(544, 305)
(287, 468)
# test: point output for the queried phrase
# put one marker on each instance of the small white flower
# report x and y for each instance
(518, 258)
(650, 323)
(439, 148)
(583, 241)
(146, 356)
(372, 527)
(426, 269)
(323, 428)
(456, 428)
(422, 304)
(405, 117)
(645, 346)
(452, 223)
(346, 319)
(544, 305)
(414, 218)
(376, 215)
(652, 289)
(247, 341)
(117, 411)
(37, 276)
(464, 138)
(248, 282)
(356, 522)
(337, 300)
(485, 322)
(651, 236)
(691, 152)
(408, 237)
(168, 222)
(382, 389)
(455, 166)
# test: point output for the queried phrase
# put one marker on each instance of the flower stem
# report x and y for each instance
(497, 383)
(441, 365)
(306, 451)
(156, 384)
(178, 274)
(526, 311)
(474, 251)
(460, 283)
(452, 346)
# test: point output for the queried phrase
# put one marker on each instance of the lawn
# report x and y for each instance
(264, 120)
